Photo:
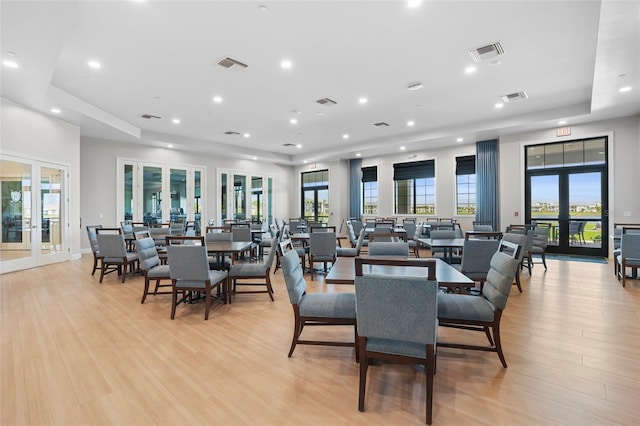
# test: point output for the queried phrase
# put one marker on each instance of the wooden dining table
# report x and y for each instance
(343, 271)
(446, 244)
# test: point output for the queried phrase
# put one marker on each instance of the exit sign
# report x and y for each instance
(565, 131)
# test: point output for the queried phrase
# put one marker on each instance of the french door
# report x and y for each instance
(35, 208)
(572, 199)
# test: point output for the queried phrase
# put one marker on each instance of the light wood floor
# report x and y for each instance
(76, 352)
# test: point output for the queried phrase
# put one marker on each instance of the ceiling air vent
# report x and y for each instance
(381, 124)
(231, 133)
(486, 52)
(230, 62)
(326, 102)
(514, 96)
(150, 116)
(288, 144)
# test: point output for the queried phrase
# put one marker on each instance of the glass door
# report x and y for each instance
(34, 211)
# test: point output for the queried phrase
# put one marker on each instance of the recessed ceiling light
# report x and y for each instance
(561, 122)
(345, 136)
(10, 64)
(410, 123)
(286, 64)
(363, 100)
(176, 121)
(414, 3)
(415, 86)
(293, 121)
(298, 146)
(255, 158)
(170, 146)
(55, 110)
(459, 140)
(402, 148)
(305, 161)
(358, 154)
(94, 64)
(499, 105)
(247, 135)
(217, 99)
(470, 69)
(320, 113)
(263, 8)
(625, 89)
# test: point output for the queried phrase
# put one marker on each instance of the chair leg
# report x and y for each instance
(544, 261)
(496, 337)
(429, 370)
(518, 281)
(297, 329)
(174, 301)
(207, 301)
(488, 333)
(364, 364)
(269, 287)
(95, 265)
(146, 288)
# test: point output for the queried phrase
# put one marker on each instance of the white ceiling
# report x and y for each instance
(160, 58)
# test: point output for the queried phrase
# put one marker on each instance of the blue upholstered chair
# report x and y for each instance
(322, 248)
(315, 308)
(93, 241)
(476, 259)
(540, 243)
(253, 272)
(190, 274)
(352, 251)
(113, 250)
(629, 256)
(411, 228)
(389, 249)
(520, 240)
(482, 313)
(397, 320)
(219, 262)
(443, 234)
(152, 268)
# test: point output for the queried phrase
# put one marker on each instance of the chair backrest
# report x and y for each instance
(443, 234)
(351, 232)
(188, 262)
(147, 253)
(218, 236)
(483, 235)
(500, 277)
(184, 240)
(410, 227)
(397, 307)
(360, 241)
(357, 225)
(293, 276)
(241, 233)
(316, 229)
(541, 235)
(284, 246)
(341, 226)
(630, 244)
(322, 243)
(127, 228)
(216, 229)
(294, 225)
(383, 229)
(91, 234)
(477, 254)
(390, 237)
(389, 249)
(145, 233)
(111, 245)
(519, 239)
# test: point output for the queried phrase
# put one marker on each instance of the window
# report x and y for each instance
(370, 190)
(466, 185)
(244, 196)
(315, 196)
(415, 187)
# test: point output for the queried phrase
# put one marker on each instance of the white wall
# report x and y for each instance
(98, 174)
(30, 134)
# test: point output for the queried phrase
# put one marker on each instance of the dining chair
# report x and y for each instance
(476, 259)
(253, 272)
(397, 321)
(629, 256)
(315, 309)
(242, 232)
(483, 226)
(539, 244)
(352, 251)
(389, 249)
(127, 231)
(322, 248)
(520, 240)
(115, 256)
(483, 313)
(442, 234)
(93, 242)
(151, 266)
(618, 229)
(219, 262)
(190, 274)
(411, 227)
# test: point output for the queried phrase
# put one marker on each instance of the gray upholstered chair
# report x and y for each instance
(389, 249)
(190, 274)
(113, 250)
(322, 248)
(476, 259)
(315, 308)
(242, 232)
(442, 234)
(482, 313)
(254, 271)
(221, 263)
(159, 234)
(397, 320)
(411, 228)
(151, 265)
(520, 240)
(265, 240)
(93, 241)
(539, 245)
(352, 251)
(629, 256)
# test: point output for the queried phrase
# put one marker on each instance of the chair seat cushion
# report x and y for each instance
(130, 258)
(160, 271)
(460, 306)
(333, 305)
(346, 252)
(630, 262)
(248, 270)
(323, 258)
